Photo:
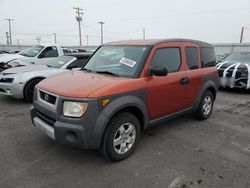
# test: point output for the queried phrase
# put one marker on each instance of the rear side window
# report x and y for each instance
(192, 57)
(167, 57)
(207, 57)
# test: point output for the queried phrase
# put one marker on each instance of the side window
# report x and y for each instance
(49, 52)
(167, 57)
(208, 57)
(192, 57)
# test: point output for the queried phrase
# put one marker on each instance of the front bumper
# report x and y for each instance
(12, 89)
(234, 82)
(85, 132)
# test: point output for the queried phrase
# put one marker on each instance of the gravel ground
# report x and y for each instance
(179, 153)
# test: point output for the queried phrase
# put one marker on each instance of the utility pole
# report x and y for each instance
(55, 37)
(79, 19)
(241, 35)
(87, 37)
(18, 43)
(101, 31)
(38, 39)
(144, 34)
(9, 20)
(7, 37)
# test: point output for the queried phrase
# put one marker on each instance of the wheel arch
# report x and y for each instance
(135, 107)
(30, 80)
(209, 85)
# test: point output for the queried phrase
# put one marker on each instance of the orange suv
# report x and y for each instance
(125, 87)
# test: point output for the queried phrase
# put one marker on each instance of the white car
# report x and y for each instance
(34, 54)
(19, 82)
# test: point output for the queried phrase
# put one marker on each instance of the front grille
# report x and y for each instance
(48, 97)
(48, 120)
(230, 73)
(2, 90)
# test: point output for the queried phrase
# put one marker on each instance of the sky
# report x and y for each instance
(214, 21)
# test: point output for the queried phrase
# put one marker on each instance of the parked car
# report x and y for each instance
(34, 53)
(106, 105)
(234, 70)
(19, 82)
(220, 58)
(14, 51)
(28, 61)
(4, 52)
(81, 50)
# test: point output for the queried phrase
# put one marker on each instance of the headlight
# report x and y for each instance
(6, 80)
(244, 73)
(74, 109)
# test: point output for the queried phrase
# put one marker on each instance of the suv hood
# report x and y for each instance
(8, 57)
(77, 84)
(23, 69)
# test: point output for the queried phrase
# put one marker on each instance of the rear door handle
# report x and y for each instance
(184, 80)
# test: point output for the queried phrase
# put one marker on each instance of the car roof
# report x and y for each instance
(152, 42)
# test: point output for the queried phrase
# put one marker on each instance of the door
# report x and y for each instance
(194, 74)
(167, 94)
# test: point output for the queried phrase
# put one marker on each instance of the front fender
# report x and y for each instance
(118, 102)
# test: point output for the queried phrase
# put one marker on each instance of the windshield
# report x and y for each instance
(57, 62)
(239, 56)
(125, 61)
(31, 52)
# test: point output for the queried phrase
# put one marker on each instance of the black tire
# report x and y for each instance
(29, 89)
(200, 113)
(108, 149)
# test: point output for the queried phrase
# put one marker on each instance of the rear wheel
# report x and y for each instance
(205, 107)
(29, 89)
(121, 137)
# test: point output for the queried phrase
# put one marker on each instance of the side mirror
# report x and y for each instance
(158, 71)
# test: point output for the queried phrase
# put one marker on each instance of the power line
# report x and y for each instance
(79, 19)
(177, 15)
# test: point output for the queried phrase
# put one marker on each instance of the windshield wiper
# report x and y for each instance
(108, 72)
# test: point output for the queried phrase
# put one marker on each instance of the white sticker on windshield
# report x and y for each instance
(128, 62)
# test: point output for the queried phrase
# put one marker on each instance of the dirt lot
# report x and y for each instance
(179, 153)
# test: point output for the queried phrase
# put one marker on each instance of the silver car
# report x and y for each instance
(19, 82)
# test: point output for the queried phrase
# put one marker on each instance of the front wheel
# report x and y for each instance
(29, 89)
(121, 137)
(205, 107)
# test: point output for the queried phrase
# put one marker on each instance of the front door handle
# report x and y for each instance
(184, 80)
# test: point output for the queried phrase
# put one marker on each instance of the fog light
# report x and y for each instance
(71, 136)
